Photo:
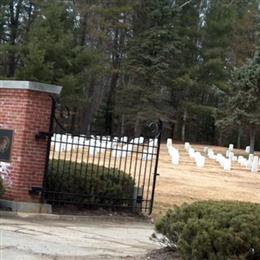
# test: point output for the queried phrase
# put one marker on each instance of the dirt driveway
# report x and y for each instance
(92, 238)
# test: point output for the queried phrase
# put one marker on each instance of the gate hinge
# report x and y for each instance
(157, 174)
(43, 135)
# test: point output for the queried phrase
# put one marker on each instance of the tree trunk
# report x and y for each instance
(88, 109)
(252, 140)
(113, 83)
(73, 120)
(177, 128)
(239, 137)
(137, 128)
(15, 11)
(111, 103)
(123, 125)
(183, 128)
(173, 130)
(220, 138)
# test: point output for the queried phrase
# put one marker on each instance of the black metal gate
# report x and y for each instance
(102, 171)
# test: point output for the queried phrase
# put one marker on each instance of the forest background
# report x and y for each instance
(194, 64)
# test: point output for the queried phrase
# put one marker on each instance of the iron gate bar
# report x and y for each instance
(70, 160)
(160, 125)
(149, 180)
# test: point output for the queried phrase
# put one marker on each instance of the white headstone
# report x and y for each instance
(227, 153)
(211, 154)
(205, 150)
(191, 152)
(200, 161)
(227, 165)
(187, 146)
(234, 158)
(231, 147)
(250, 161)
(169, 142)
(255, 164)
(231, 155)
(175, 157)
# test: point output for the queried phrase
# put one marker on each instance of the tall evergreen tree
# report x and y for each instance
(130, 61)
(153, 46)
(243, 107)
(16, 17)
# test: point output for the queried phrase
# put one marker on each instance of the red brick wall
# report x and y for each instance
(27, 113)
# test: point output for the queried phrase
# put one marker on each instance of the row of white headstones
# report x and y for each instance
(175, 154)
(120, 147)
(251, 163)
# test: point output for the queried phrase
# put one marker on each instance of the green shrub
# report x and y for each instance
(88, 184)
(2, 189)
(213, 230)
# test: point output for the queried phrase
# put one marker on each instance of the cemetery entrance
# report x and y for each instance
(95, 170)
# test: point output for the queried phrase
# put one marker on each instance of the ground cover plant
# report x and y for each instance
(213, 230)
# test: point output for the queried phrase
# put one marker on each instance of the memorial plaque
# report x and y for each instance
(6, 138)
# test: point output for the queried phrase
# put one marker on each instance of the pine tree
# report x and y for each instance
(15, 19)
(244, 100)
(183, 87)
(52, 55)
(153, 46)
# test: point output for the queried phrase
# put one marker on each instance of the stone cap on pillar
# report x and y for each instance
(30, 85)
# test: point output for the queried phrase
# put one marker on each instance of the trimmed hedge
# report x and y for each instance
(213, 230)
(88, 184)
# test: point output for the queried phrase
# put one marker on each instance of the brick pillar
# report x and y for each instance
(25, 108)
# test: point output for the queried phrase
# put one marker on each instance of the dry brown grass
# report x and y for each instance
(187, 183)
(182, 183)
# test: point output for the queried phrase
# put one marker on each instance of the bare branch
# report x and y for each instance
(186, 3)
